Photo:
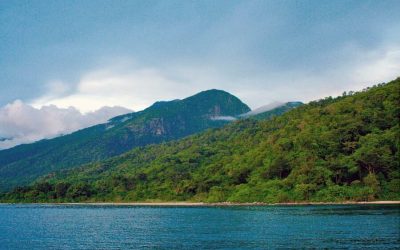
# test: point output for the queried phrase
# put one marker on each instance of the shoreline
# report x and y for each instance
(204, 204)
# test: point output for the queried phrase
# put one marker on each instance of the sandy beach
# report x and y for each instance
(218, 204)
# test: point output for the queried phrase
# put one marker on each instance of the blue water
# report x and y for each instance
(110, 227)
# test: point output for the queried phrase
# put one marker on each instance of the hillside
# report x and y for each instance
(163, 121)
(334, 149)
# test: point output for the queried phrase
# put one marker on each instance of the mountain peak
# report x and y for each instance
(212, 92)
(217, 102)
(211, 103)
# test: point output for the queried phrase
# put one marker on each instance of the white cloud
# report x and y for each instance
(130, 85)
(353, 68)
(263, 109)
(223, 118)
(136, 88)
(385, 67)
(22, 123)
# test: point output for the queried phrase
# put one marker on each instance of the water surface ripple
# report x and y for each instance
(133, 227)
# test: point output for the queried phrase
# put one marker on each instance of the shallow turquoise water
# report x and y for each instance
(110, 227)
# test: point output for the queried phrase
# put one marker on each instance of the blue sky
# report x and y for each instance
(90, 54)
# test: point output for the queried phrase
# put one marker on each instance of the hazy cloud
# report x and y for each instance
(131, 87)
(263, 109)
(22, 123)
(260, 51)
(223, 118)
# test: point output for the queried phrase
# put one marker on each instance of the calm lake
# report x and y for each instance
(127, 227)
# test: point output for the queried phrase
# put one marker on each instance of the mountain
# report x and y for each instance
(334, 149)
(163, 121)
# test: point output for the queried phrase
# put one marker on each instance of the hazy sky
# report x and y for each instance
(90, 54)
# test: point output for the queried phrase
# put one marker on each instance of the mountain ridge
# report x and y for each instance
(162, 121)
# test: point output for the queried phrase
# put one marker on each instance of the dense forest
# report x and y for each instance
(334, 149)
(163, 121)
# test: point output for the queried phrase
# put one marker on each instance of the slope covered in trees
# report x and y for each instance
(163, 121)
(334, 149)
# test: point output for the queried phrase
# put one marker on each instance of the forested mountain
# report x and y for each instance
(344, 148)
(163, 121)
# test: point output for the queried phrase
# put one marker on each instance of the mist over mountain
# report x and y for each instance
(20, 123)
(263, 109)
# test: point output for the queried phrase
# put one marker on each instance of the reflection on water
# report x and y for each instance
(119, 227)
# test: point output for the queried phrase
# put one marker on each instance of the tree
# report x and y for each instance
(372, 182)
(374, 154)
(43, 187)
(79, 190)
(61, 189)
(280, 168)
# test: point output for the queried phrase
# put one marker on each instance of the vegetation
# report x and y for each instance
(163, 121)
(335, 149)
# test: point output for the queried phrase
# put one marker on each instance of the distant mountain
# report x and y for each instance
(163, 121)
(334, 149)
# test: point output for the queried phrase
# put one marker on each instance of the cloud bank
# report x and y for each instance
(123, 84)
(22, 123)
(136, 86)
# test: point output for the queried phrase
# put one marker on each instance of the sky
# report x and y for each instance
(84, 55)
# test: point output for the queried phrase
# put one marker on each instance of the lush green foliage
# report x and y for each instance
(335, 149)
(163, 121)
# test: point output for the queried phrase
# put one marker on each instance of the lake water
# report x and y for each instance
(115, 227)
